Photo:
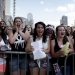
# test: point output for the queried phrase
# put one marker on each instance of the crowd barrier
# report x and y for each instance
(72, 63)
(49, 69)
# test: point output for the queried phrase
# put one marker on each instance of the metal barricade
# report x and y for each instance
(69, 62)
(9, 54)
(6, 53)
(72, 65)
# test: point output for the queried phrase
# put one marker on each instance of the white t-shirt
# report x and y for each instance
(38, 46)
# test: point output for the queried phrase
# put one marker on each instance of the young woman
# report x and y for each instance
(69, 34)
(29, 28)
(50, 32)
(41, 42)
(57, 45)
(18, 39)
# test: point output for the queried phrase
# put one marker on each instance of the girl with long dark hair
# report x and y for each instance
(57, 47)
(39, 38)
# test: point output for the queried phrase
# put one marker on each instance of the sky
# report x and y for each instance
(48, 11)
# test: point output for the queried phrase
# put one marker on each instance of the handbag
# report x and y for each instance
(56, 69)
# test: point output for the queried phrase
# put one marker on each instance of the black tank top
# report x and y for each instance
(56, 47)
(60, 60)
(19, 44)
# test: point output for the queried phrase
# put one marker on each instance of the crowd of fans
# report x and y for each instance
(41, 44)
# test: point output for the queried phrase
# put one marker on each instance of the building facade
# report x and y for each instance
(30, 20)
(64, 20)
(2, 9)
(7, 7)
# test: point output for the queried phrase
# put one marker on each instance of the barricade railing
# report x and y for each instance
(6, 53)
(72, 65)
(10, 53)
(66, 65)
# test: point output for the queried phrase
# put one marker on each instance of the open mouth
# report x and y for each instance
(62, 33)
(40, 33)
(18, 25)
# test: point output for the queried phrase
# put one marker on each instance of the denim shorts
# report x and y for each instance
(34, 63)
(18, 63)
